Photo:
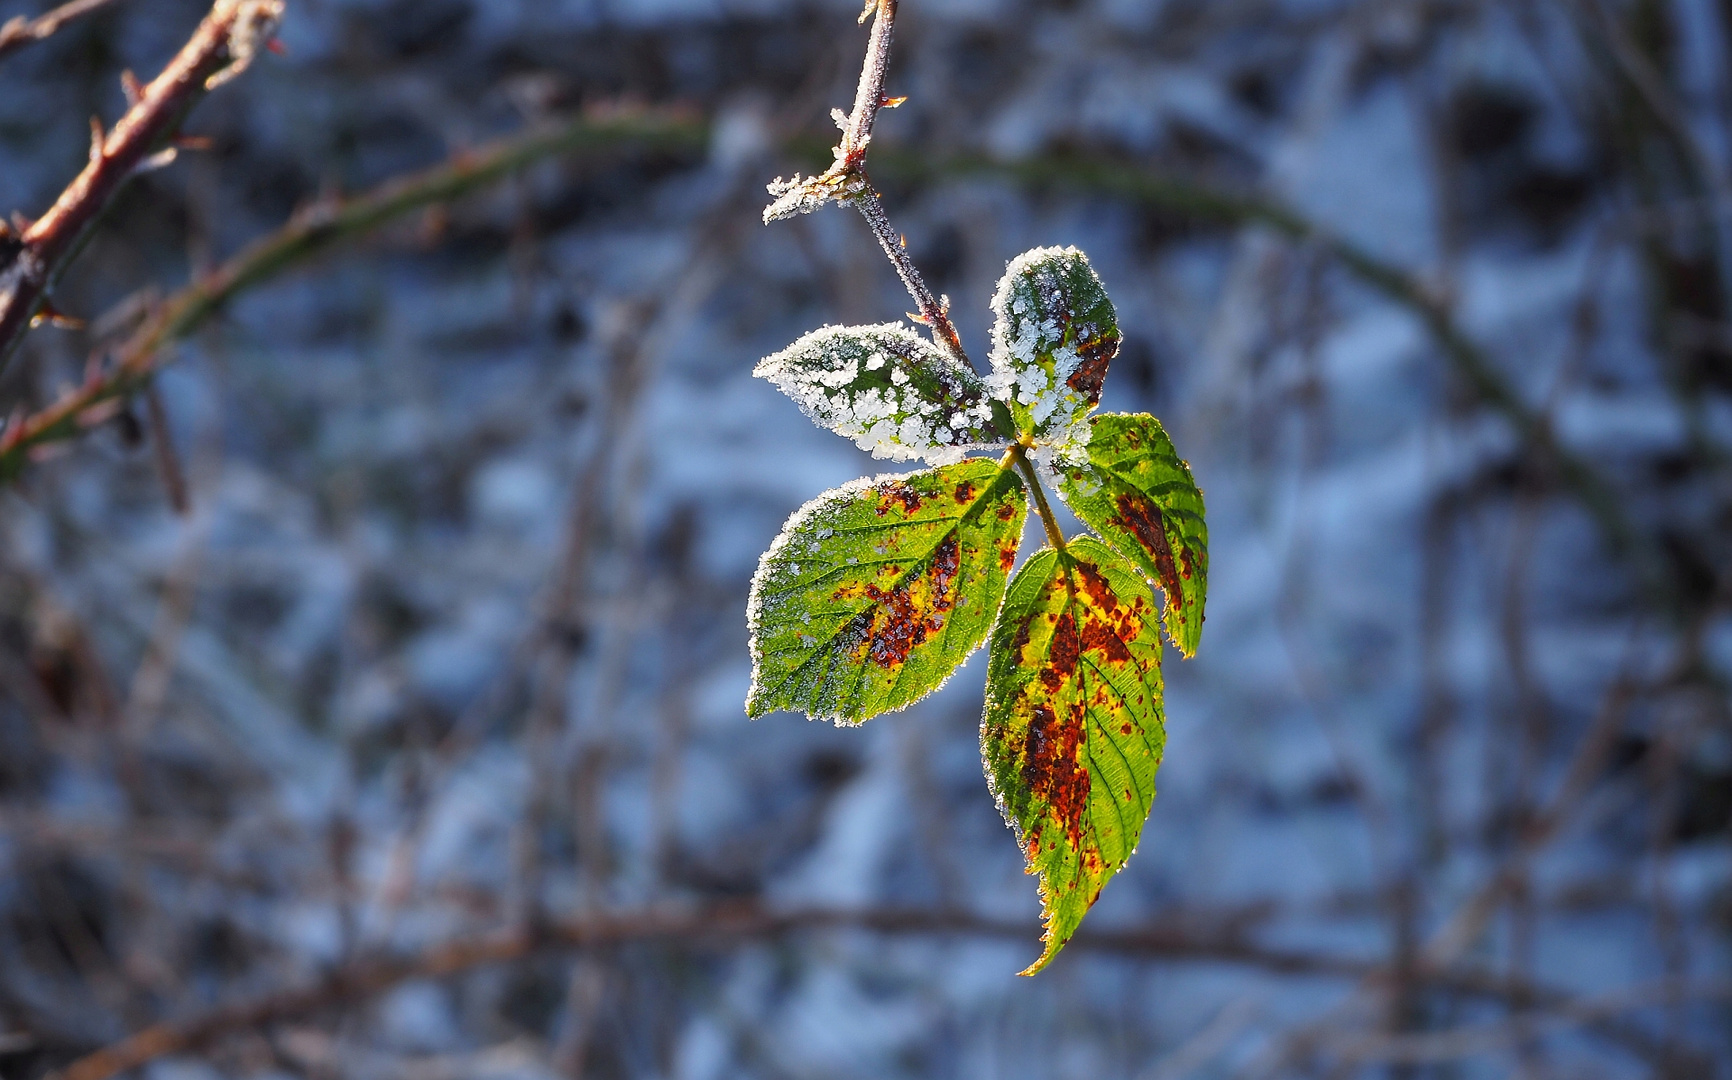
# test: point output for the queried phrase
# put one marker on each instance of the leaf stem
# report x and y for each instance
(1018, 455)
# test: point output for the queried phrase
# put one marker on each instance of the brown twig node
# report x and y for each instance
(845, 181)
(221, 48)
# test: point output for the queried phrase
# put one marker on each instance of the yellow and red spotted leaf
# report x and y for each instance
(875, 592)
(1074, 729)
(1141, 498)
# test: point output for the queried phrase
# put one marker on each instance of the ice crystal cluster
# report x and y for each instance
(1053, 334)
(894, 393)
(900, 397)
(804, 194)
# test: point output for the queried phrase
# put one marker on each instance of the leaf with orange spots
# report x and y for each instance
(1142, 500)
(875, 592)
(1074, 729)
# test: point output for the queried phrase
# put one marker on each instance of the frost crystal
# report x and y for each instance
(891, 391)
(1054, 333)
(804, 194)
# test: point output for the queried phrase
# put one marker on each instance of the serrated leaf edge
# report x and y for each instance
(754, 599)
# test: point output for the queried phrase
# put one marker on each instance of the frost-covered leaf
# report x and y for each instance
(1141, 498)
(1073, 729)
(876, 591)
(1054, 333)
(890, 390)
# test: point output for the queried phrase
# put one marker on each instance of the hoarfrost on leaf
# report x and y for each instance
(894, 393)
(1054, 334)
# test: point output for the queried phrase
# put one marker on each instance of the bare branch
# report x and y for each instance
(1453, 1044)
(218, 49)
(308, 234)
(1169, 939)
(19, 31)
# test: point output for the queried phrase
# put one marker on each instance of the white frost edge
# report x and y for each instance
(878, 423)
(1017, 376)
(755, 599)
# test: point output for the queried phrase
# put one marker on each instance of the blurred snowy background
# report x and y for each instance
(1436, 296)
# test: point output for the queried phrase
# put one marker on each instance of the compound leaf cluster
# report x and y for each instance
(874, 593)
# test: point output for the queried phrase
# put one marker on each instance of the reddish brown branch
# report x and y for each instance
(222, 45)
(19, 31)
(717, 926)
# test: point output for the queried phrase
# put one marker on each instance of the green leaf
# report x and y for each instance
(1141, 498)
(891, 391)
(875, 592)
(1054, 333)
(1073, 729)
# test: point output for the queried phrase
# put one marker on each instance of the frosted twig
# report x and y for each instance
(218, 49)
(846, 180)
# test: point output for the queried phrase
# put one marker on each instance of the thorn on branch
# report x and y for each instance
(49, 315)
(131, 87)
(219, 49)
(159, 160)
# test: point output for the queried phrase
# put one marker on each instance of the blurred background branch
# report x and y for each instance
(20, 31)
(409, 741)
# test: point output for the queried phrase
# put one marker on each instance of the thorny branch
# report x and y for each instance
(312, 231)
(33, 257)
(20, 31)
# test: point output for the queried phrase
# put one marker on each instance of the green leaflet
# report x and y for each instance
(1054, 333)
(875, 592)
(1141, 498)
(1073, 729)
(894, 393)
